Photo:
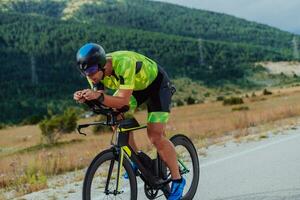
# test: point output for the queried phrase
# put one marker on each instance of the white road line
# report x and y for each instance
(248, 151)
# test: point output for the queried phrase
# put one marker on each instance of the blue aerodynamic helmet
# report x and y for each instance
(90, 56)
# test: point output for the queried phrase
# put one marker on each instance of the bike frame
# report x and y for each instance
(124, 150)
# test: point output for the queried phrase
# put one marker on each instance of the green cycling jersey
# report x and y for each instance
(131, 70)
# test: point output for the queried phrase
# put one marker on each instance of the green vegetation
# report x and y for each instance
(33, 179)
(233, 101)
(220, 98)
(38, 50)
(31, 120)
(159, 17)
(46, 47)
(241, 108)
(188, 92)
(55, 125)
(2, 126)
(266, 92)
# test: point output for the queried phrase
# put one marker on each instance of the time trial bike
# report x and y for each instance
(104, 178)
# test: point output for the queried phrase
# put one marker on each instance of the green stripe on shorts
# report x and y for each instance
(158, 117)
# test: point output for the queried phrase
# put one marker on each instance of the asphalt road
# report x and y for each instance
(264, 170)
(268, 169)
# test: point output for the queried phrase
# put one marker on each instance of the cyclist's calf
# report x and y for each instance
(165, 148)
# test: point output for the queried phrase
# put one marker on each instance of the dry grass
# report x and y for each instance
(204, 123)
(213, 120)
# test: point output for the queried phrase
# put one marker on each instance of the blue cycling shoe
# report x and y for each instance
(134, 167)
(177, 189)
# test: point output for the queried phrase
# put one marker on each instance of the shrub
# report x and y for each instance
(266, 92)
(190, 100)
(240, 108)
(220, 98)
(233, 101)
(69, 120)
(259, 68)
(207, 94)
(50, 129)
(2, 126)
(295, 75)
(55, 125)
(179, 102)
(194, 92)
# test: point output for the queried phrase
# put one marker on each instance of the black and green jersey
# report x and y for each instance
(148, 82)
(130, 71)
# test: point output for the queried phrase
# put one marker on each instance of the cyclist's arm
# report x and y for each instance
(120, 100)
(125, 70)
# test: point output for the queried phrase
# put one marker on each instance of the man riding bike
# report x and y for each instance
(136, 79)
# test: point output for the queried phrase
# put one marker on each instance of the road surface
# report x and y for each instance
(268, 169)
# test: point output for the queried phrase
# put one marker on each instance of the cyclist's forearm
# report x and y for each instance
(115, 101)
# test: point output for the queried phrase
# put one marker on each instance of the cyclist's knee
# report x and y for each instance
(156, 140)
(156, 135)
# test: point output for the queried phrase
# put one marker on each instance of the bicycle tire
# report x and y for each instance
(108, 155)
(182, 140)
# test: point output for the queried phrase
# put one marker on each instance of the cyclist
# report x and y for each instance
(136, 79)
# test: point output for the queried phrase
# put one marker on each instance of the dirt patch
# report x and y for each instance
(286, 68)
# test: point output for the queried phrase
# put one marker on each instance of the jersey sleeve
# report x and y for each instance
(125, 70)
(90, 82)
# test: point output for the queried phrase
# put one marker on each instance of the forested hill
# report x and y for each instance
(158, 17)
(38, 56)
(37, 52)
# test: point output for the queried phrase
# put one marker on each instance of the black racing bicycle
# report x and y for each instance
(104, 177)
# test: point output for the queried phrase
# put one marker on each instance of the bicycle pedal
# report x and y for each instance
(160, 183)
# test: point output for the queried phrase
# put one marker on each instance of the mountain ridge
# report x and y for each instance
(163, 17)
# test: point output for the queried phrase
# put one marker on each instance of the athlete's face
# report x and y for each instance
(96, 76)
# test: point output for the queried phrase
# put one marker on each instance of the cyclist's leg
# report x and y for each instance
(165, 148)
(158, 114)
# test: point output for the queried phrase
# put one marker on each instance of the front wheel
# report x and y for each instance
(101, 179)
(188, 163)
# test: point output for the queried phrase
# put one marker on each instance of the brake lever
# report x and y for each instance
(79, 127)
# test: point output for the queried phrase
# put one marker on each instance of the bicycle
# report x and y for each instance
(104, 175)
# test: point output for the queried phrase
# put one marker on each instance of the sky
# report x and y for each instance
(283, 14)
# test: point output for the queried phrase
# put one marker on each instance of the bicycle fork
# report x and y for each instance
(117, 191)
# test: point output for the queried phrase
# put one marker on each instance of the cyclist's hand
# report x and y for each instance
(78, 96)
(89, 94)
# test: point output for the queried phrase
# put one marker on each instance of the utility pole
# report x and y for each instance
(200, 48)
(295, 48)
(34, 78)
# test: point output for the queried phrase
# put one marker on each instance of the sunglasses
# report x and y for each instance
(89, 70)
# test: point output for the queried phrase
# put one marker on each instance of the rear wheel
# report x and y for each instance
(188, 163)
